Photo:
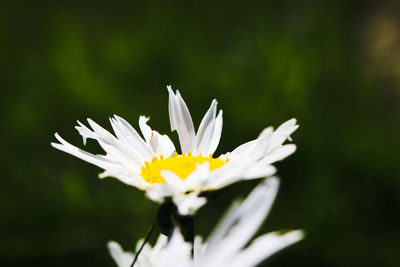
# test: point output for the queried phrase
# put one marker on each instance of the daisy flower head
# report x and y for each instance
(229, 245)
(151, 162)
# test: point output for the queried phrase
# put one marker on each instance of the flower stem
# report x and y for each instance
(153, 225)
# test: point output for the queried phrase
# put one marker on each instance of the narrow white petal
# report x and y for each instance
(127, 177)
(181, 121)
(146, 130)
(97, 160)
(207, 121)
(279, 153)
(283, 133)
(259, 170)
(212, 134)
(161, 144)
(167, 147)
(154, 143)
(209, 132)
(85, 132)
(243, 164)
(216, 136)
(248, 147)
(288, 127)
(243, 147)
(229, 173)
(264, 246)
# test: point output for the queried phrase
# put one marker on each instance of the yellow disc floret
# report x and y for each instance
(181, 165)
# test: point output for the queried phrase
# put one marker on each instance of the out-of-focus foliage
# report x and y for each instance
(334, 65)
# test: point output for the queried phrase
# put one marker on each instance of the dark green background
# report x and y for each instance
(334, 65)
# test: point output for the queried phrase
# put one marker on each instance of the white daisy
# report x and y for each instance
(227, 245)
(152, 164)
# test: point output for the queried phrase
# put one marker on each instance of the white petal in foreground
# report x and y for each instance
(121, 258)
(227, 245)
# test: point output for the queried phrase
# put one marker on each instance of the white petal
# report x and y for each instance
(132, 138)
(126, 146)
(121, 258)
(199, 177)
(259, 170)
(198, 247)
(166, 145)
(177, 253)
(283, 132)
(146, 130)
(85, 132)
(253, 211)
(240, 149)
(146, 257)
(158, 192)
(181, 121)
(129, 178)
(279, 153)
(98, 160)
(212, 134)
(242, 222)
(154, 143)
(162, 240)
(127, 128)
(221, 229)
(209, 132)
(216, 136)
(160, 144)
(188, 204)
(115, 163)
(173, 181)
(207, 121)
(264, 246)
(229, 173)
(250, 147)
(288, 127)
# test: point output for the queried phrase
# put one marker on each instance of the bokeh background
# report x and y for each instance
(334, 65)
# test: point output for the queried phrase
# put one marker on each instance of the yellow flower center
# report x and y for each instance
(180, 165)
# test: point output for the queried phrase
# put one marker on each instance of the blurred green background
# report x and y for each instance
(334, 65)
